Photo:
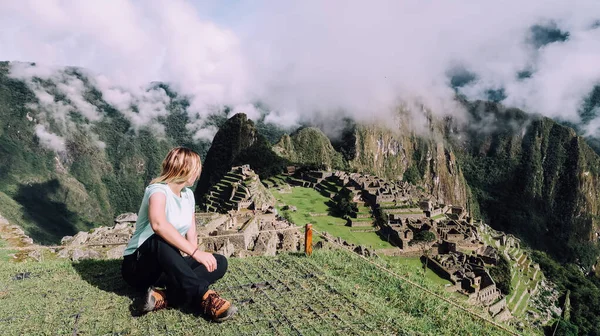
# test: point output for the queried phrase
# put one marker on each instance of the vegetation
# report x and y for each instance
(52, 195)
(346, 143)
(532, 182)
(310, 146)
(501, 275)
(343, 206)
(312, 208)
(236, 143)
(564, 328)
(332, 292)
(412, 175)
(535, 172)
(423, 237)
(415, 266)
(262, 159)
(584, 292)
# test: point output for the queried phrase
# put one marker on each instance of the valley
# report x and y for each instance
(529, 177)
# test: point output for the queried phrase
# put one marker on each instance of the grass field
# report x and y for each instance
(5, 253)
(308, 201)
(414, 265)
(332, 292)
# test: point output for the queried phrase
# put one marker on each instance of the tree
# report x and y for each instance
(412, 175)
(501, 275)
(344, 206)
(565, 328)
(422, 239)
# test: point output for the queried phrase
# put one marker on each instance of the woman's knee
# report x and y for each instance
(222, 264)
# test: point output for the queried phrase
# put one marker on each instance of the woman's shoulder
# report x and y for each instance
(189, 192)
(152, 188)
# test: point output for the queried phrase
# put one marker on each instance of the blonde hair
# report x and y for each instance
(179, 166)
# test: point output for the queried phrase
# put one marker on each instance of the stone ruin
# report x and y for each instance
(99, 243)
(257, 233)
(239, 189)
(249, 233)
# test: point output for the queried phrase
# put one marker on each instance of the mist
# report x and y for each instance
(311, 60)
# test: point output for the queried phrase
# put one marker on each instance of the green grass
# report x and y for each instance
(332, 292)
(414, 266)
(364, 210)
(5, 255)
(366, 219)
(308, 201)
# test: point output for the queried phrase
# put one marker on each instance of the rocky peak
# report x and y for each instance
(309, 146)
(237, 134)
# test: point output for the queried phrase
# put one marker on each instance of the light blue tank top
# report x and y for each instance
(179, 211)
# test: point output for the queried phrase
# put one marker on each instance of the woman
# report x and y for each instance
(165, 228)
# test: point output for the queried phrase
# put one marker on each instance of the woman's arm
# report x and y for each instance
(191, 235)
(160, 226)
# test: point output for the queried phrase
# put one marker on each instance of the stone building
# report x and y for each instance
(467, 274)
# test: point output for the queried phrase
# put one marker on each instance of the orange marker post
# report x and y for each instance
(308, 239)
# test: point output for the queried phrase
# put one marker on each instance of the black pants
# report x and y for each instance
(186, 279)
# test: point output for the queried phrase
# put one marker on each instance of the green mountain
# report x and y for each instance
(533, 177)
(523, 173)
(429, 162)
(394, 154)
(309, 146)
(539, 181)
(102, 170)
(236, 143)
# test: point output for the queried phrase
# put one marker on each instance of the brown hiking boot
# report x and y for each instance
(155, 300)
(216, 308)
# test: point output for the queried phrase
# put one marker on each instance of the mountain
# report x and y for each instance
(429, 162)
(236, 143)
(101, 167)
(309, 146)
(525, 174)
(534, 177)
(375, 149)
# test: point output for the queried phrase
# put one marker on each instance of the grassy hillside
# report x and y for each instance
(332, 292)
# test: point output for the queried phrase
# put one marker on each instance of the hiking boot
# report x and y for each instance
(155, 300)
(216, 308)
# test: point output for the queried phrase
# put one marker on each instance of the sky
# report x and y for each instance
(311, 59)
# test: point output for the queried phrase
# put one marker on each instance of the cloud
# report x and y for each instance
(312, 59)
(49, 140)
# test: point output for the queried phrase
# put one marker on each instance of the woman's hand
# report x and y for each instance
(206, 259)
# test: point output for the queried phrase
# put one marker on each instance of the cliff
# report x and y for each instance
(429, 162)
(534, 177)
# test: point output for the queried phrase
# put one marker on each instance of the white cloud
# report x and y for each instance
(249, 109)
(50, 140)
(310, 58)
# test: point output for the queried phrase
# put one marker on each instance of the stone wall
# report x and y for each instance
(440, 270)
(497, 307)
